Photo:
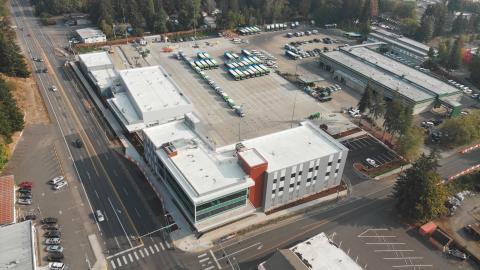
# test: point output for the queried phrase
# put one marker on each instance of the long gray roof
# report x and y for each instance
(16, 246)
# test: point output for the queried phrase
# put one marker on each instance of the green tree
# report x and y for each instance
(160, 22)
(366, 102)
(378, 108)
(393, 112)
(411, 143)
(463, 130)
(425, 31)
(409, 27)
(12, 62)
(431, 53)
(475, 69)
(419, 191)
(3, 155)
(455, 57)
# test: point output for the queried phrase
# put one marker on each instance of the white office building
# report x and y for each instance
(99, 69)
(91, 35)
(214, 186)
(203, 181)
(146, 97)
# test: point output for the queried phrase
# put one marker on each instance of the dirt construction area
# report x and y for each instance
(270, 102)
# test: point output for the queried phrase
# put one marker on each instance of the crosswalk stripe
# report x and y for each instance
(156, 247)
(161, 245)
(168, 245)
(130, 257)
(113, 264)
(202, 255)
(146, 251)
(124, 260)
(119, 262)
(209, 268)
(151, 249)
(136, 256)
(141, 253)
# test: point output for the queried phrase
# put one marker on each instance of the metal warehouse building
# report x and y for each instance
(213, 186)
(356, 66)
(407, 48)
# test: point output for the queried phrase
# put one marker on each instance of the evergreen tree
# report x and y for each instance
(393, 112)
(419, 191)
(425, 31)
(455, 57)
(475, 69)
(366, 102)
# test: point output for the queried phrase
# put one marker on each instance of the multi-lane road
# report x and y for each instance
(109, 182)
(112, 184)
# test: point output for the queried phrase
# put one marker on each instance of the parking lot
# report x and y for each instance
(365, 147)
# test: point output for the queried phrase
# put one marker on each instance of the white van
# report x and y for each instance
(56, 180)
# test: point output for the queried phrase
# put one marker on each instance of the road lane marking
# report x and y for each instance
(119, 262)
(114, 210)
(141, 253)
(88, 175)
(146, 251)
(240, 250)
(124, 260)
(136, 255)
(116, 240)
(151, 249)
(202, 255)
(156, 247)
(136, 211)
(125, 191)
(130, 257)
(215, 259)
(161, 245)
(97, 194)
(113, 264)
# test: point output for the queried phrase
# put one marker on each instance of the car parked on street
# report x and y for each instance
(54, 249)
(52, 241)
(24, 201)
(99, 216)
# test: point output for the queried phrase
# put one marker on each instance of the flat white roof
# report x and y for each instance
(104, 77)
(16, 246)
(96, 59)
(252, 157)
(151, 89)
(293, 146)
(321, 254)
(89, 32)
(123, 104)
(203, 173)
(410, 74)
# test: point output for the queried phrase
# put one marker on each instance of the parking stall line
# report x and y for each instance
(156, 247)
(385, 243)
(119, 262)
(113, 264)
(151, 249)
(204, 259)
(209, 268)
(130, 257)
(136, 255)
(146, 251)
(394, 250)
(161, 245)
(168, 245)
(202, 255)
(124, 260)
(141, 253)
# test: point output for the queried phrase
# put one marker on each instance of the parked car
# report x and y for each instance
(99, 216)
(25, 190)
(26, 184)
(26, 196)
(55, 257)
(50, 227)
(53, 88)
(52, 241)
(56, 266)
(30, 217)
(457, 253)
(49, 220)
(371, 162)
(54, 249)
(52, 234)
(59, 185)
(24, 201)
(56, 180)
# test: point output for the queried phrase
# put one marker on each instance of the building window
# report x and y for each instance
(310, 170)
(327, 174)
(273, 191)
(315, 177)
(309, 180)
(300, 173)
(339, 160)
(275, 180)
(282, 178)
(329, 163)
(293, 175)
(280, 189)
(336, 171)
(291, 185)
(316, 167)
